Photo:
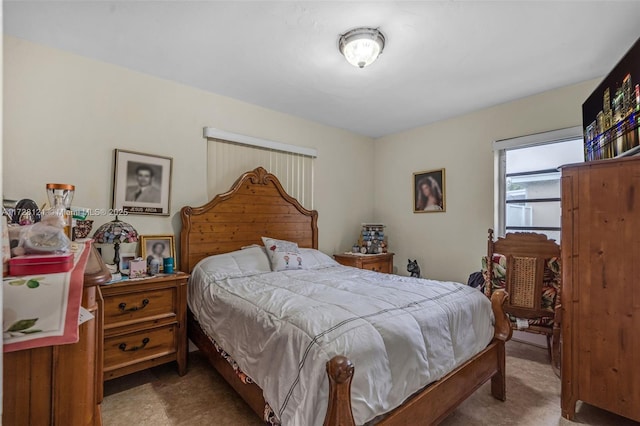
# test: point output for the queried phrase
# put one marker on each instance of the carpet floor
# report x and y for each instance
(159, 397)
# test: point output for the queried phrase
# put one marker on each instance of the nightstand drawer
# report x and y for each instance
(139, 306)
(378, 263)
(377, 266)
(121, 351)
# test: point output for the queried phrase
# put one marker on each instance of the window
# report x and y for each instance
(529, 180)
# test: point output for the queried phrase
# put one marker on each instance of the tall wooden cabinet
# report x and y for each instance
(601, 286)
(60, 385)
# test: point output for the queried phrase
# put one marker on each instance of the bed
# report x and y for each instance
(258, 206)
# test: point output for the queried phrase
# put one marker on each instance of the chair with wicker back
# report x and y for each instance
(527, 265)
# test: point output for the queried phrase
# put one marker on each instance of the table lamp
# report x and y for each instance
(115, 232)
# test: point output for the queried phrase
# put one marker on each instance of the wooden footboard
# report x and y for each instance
(435, 402)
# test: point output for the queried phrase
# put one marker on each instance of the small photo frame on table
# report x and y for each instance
(429, 192)
(125, 260)
(142, 183)
(157, 246)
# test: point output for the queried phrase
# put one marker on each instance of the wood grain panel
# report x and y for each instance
(120, 351)
(254, 207)
(138, 306)
(258, 218)
(258, 228)
(58, 385)
(601, 318)
(379, 263)
(27, 387)
(257, 208)
(245, 235)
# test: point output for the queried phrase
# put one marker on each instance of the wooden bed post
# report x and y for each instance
(340, 372)
(502, 333)
(489, 285)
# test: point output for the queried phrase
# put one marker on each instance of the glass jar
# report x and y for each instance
(60, 197)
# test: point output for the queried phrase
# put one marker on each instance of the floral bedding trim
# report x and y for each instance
(269, 416)
(550, 286)
(241, 375)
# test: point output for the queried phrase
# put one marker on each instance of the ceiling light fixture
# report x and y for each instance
(361, 46)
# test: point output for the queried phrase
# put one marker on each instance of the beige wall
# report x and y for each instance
(449, 245)
(64, 114)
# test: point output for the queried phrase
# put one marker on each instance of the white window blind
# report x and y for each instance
(227, 160)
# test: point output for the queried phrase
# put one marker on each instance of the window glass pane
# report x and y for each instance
(546, 214)
(545, 185)
(542, 157)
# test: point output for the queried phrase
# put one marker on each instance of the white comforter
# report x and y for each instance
(282, 327)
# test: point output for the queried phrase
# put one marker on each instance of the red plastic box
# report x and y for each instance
(32, 264)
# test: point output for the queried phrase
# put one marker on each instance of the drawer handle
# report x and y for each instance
(123, 346)
(123, 306)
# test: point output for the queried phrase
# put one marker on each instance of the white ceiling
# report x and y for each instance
(442, 59)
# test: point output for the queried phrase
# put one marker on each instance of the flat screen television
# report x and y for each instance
(611, 114)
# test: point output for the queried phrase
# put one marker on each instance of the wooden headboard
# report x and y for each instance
(256, 206)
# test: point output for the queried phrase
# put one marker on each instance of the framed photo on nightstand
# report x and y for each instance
(158, 247)
(125, 259)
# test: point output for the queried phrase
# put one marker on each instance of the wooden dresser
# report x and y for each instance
(60, 385)
(601, 286)
(374, 262)
(145, 324)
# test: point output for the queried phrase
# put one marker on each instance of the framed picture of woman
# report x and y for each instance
(157, 247)
(429, 192)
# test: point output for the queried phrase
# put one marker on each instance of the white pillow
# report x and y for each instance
(241, 263)
(314, 259)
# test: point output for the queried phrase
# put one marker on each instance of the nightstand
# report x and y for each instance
(145, 324)
(373, 262)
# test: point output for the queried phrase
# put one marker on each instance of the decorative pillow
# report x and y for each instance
(286, 261)
(274, 246)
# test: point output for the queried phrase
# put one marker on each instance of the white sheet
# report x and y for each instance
(281, 328)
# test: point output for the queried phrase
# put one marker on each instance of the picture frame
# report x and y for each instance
(141, 183)
(429, 192)
(149, 247)
(125, 259)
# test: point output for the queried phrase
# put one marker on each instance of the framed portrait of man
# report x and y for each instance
(142, 183)
(429, 192)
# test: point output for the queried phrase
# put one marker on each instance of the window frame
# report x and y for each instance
(500, 148)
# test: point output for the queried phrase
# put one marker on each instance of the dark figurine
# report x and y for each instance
(414, 268)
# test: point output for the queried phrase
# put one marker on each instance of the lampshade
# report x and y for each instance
(361, 46)
(114, 232)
